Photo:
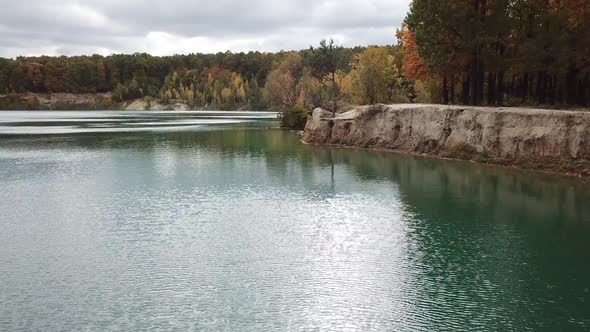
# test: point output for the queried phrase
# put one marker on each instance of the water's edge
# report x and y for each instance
(554, 142)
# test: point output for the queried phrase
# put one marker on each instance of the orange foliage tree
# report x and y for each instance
(413, 65)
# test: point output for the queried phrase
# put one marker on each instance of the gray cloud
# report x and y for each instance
(54, 27)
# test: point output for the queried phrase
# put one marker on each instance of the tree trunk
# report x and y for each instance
(539, 93)
(525, 87)
(466, 87)
(473, 79)
(571, 91)
(480, 80)
(553, 90)
(501, 90)
(452, 89)
(445, 91)
(585, 90)
(491, 88)
(333, 94)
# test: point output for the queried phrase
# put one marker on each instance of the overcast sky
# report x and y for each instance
(71, 27)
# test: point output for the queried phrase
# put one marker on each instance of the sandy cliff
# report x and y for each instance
(84, 101)
(545, 140)
(57, 101)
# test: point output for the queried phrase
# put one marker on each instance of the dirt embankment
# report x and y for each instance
(85, 101)
(546, 140)
(142, 105)
(57, 101)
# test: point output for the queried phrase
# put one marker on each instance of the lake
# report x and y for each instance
(221, 221)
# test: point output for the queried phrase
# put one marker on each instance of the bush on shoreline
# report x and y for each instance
(294, 118)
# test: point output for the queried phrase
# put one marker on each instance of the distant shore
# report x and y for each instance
(91, 101)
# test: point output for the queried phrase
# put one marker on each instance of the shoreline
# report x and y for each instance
(571, 176)
(548, 142)
(96, 102)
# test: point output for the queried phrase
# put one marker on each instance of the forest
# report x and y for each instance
(472, 52)
(494, 52)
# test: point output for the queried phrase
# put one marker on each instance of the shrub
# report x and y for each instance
(294, 118)
(148, 103)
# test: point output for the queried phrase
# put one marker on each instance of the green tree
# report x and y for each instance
(120, 92)
(506, 51)
(148, 103)
(294, 118)
(325, 61)
(17, 79)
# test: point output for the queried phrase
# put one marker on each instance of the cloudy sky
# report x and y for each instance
(70, 27)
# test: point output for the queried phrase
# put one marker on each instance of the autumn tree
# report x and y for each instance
(371, 75)
(101, 78)
(310, 90)
(55, 71)
(34, 73)
(413, 64)
(283, 86)
(5, 69)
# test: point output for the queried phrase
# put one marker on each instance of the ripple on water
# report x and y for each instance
(247, 230)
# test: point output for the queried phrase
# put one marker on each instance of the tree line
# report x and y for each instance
(477, 52)
(328, 75)
(131, 76)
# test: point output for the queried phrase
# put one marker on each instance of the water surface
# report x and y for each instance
(132, 221)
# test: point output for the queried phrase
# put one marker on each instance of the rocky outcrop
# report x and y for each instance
(57, 101)
(548, 140)
(89, 101)
(83, 101)
(142, 105)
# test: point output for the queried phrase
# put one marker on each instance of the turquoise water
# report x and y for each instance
(205, 221)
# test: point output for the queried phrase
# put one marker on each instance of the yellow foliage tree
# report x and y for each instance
(370, 73)
(241, 94)
(226, 95)
(282, 84)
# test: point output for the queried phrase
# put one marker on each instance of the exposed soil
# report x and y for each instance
(543, 140)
